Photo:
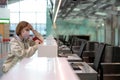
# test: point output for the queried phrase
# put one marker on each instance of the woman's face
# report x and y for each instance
(25, 33)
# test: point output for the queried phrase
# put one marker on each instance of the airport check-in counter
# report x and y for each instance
(84, 71)
(45, 65)
(48, 48)
(41, 68)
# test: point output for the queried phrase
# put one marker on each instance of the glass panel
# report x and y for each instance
(41, 17)
(14, 7)
(41, 28)
(33, 6)
(30, 17)
(13, 26)
(14, 17)
(33, 11)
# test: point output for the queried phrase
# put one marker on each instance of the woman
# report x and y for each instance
(22, 45)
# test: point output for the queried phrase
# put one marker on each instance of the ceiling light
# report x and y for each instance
(76, 9)
(59, 3)
(118, 8)
(101, 13)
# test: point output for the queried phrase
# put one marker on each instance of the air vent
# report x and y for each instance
(74, 0)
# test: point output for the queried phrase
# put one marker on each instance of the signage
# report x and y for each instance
(4, 15)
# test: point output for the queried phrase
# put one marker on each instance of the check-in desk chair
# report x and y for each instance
(65, 40)
(111, 64)
(96, 64)
(98, 58)
(89, 53)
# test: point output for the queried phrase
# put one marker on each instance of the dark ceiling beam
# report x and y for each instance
(85, 11)
(106, 6)
(101, 8)
(94, 3)
(63, 4)
(69, 11)
(51, 3)
(63, 7)
(71, 8)
(89, 8)
(117, 3)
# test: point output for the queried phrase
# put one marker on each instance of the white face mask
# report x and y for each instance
(25, 34)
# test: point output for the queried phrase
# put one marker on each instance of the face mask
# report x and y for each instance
(26, 35)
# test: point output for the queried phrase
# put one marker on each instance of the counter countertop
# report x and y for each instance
(41, 68)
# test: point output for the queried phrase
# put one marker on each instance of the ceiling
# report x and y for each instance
(13, 1)
(5, 2)
(77, 10)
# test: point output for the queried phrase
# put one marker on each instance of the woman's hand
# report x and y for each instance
(30, 27)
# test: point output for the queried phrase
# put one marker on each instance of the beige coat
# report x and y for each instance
(20, 49)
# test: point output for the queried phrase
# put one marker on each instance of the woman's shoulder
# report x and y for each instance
(14, 39)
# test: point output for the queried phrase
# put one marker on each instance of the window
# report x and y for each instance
(31, 11)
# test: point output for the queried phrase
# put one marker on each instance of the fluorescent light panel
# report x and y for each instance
(57, 11)
(101, 13)
(4, 21)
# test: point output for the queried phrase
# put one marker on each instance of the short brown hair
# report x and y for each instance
(20, 27)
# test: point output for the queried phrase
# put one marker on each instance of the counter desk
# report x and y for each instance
(48, 48)
(84, 71)
(41, 68)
